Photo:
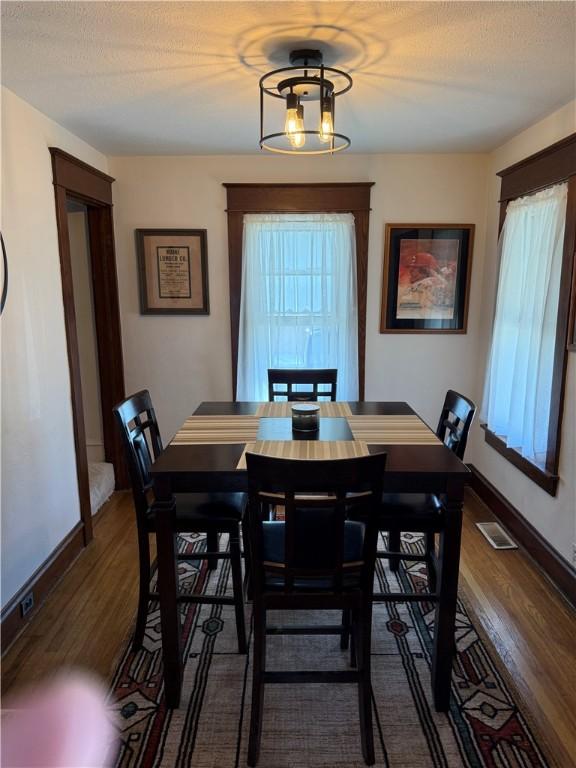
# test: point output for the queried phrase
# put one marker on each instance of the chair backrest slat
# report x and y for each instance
(136, 419)
(318, 497)
(455, 421)
(282, 383)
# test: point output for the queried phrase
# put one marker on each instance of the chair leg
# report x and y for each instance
(143, 591)
(258, 667)
(236, 566)
(394, 546)
(345, 634)
(353, 638)
(247, 560)
(212, 546)
(430, 553)
(364, 684)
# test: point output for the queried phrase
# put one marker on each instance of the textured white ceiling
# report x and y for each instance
(182, 77)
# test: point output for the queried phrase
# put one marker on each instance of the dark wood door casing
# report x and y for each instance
(73, 178)
(108, 332)
(351, 197)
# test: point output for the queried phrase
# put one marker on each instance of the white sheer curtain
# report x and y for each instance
(299, 303)
(518, 385)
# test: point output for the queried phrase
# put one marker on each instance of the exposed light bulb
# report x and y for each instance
(326, 123)
(298, 139)
(291, 121)
(294, 124)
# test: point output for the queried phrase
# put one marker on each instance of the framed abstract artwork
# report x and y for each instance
(172, 265)
(426, 278)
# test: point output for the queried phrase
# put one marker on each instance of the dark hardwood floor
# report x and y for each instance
(87, 619)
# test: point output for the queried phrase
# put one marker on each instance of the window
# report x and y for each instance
(518, 389)
(526, 371)
(320, 197)
(299, 299)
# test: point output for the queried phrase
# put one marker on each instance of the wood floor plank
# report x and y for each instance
(87, 620)
(531, 626)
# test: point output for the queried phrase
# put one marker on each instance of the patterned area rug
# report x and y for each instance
(317, 725)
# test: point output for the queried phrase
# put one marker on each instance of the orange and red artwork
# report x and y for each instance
(427, 279)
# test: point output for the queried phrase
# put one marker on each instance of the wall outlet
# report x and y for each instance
(27, 604)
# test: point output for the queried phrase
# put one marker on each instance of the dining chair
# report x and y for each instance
(423, 513)
(208, 513)
(315, 559)
(282, 383)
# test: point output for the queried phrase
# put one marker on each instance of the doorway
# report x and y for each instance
(92, 319)
(101, 479)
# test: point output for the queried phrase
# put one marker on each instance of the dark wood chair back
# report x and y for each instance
(455, 421)
(141, 437)
(138, 425)
(281, 383)
(318, 497)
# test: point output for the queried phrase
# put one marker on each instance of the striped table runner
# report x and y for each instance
(392, 430)
(305, 449)
(217, 429)
(284, 410)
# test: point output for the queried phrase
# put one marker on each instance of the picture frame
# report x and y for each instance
(173, 271)
(426, 278)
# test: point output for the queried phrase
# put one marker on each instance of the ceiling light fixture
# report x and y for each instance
(304, 83)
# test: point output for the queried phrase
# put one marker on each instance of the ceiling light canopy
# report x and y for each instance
(307, 93)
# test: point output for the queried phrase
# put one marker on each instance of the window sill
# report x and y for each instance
(546, 480)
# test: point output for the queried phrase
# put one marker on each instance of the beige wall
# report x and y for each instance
(553, 517)
(39, 489)
(184, 360)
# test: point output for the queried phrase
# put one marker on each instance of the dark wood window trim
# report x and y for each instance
(571, 346)
(298, 198)
(552, 165)
(546, 480)
(75, 179)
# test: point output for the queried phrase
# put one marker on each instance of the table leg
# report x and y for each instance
(445, 614)
(165, 511)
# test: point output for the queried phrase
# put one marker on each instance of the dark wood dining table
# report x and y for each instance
(410, 468)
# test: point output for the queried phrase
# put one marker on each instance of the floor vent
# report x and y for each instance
(496, 535)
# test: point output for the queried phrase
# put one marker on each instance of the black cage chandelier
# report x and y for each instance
(306, 84)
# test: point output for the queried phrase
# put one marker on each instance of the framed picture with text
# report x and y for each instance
(173, 269)
(426, 278)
